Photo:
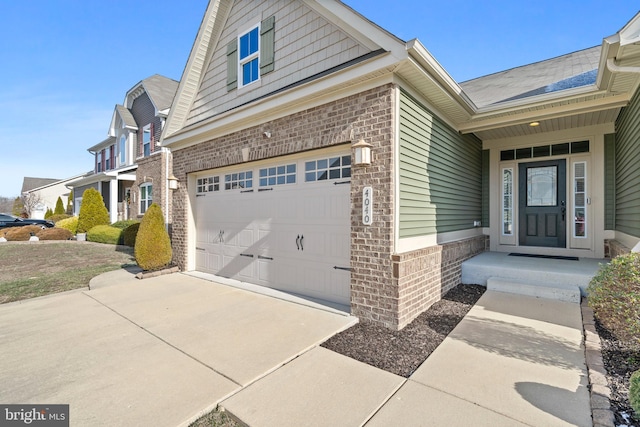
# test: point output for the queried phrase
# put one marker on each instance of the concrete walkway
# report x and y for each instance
(162, 351)
(512, 361)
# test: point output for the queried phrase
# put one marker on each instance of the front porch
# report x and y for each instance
(562, 278)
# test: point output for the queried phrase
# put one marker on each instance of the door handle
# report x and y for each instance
(563, 209)
(298, 242)
(301, 240)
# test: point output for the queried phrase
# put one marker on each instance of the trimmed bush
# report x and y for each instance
(59, 217)
(92, 211)
(125, 223)
(614, 295)
(59, 207)
(48, 214)
(54, 234)
(21, 234)
(634, 393)
(104, 234)
(70, 224)
(153, 247)
(130, 233)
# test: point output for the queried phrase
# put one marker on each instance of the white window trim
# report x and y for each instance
(146, 130)
(574, 179)
(148, 200)
(510, 207)
(122, 150)
(249, 58)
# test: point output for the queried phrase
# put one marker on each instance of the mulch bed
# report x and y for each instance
(621, 359)
(402, 352)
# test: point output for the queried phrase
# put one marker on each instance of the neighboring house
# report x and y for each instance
(45, 192)
(541, 159)
(129, 166)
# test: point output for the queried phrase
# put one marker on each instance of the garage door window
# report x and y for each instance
(238, 180)
(331, 168)
(278, 175)
(208, 184)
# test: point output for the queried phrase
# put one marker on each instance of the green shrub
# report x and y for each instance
(48, 214)
(21, 234)
(70, 224)
(59, 207)
(614, 295)
(92, 211)
(104, 234)
(125, 223)
(59, 217)
(129, 234)
(153, 247)
(69, 210)
(54, 234)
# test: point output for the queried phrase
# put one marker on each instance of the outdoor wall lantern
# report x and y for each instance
(173, 183)
(362, 153)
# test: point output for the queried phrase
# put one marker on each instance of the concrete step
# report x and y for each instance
(532, 271)
(567, 293)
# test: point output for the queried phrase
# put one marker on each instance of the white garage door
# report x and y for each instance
(284, 224)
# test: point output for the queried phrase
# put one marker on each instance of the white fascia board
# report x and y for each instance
(438, 74)
(538, 100)
(102, 144)
(199, 57)
(630, 33)
(305, 96)
(561, 110)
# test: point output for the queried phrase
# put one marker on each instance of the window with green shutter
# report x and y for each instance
(251, 55)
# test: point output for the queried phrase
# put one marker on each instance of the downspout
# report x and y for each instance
(167, 153)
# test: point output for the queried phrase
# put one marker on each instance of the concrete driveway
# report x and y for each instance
(158, 351)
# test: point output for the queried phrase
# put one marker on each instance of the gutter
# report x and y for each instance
(615, 68)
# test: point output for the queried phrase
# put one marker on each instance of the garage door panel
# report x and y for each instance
(288, 237)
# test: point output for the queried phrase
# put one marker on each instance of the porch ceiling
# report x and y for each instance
(550, 125)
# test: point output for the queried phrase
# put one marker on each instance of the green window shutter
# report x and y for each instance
(232, 65)
(267, 45)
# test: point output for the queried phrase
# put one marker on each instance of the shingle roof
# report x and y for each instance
(126, 115)
(564, 72)
(161, 90)
(29, 183)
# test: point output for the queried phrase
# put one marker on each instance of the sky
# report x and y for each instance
(65, 64)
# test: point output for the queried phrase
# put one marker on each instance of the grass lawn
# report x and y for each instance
(32, 269)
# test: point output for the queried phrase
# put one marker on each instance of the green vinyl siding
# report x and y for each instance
(609, 181)
(627, 169)
(485, 187)
(440, 174)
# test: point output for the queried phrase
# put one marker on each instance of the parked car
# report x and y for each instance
(7, 221)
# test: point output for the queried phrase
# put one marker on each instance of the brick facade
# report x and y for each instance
(423, 276)
(152, 169)
(386, 289)
(613, 248)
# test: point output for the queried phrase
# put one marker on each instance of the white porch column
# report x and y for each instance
(113, 200)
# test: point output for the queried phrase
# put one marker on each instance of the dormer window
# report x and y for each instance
(123, 148)
(146, 140)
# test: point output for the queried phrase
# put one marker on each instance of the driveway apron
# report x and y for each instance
(158, 351)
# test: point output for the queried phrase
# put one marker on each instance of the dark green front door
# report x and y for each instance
(543, 191)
